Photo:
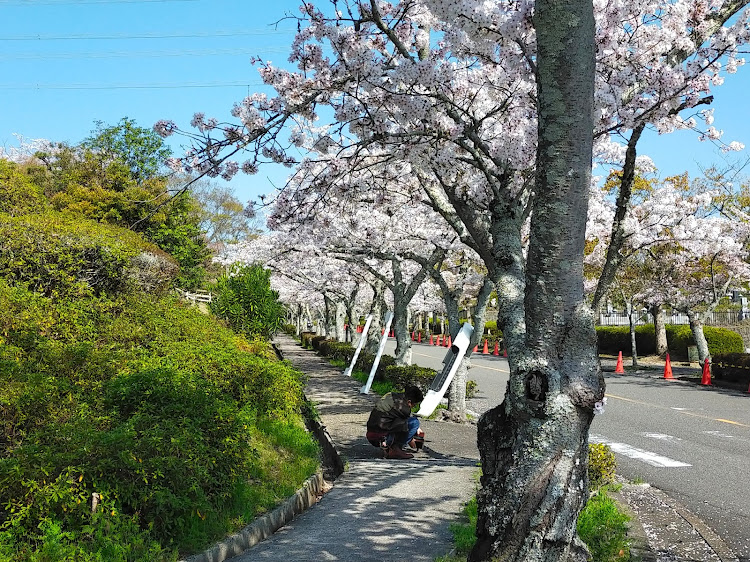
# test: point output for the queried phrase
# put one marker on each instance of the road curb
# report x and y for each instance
(712, 539)
(263, 527)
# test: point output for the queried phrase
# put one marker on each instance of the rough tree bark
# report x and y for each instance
(660, 329)
(534, 446)
(377, 309)
(696, 327)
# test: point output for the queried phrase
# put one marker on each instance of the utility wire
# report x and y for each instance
(144, 54)
(176, 35)
(127, 86)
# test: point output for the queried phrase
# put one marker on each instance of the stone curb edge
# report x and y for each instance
(712, 539)
(266, 525)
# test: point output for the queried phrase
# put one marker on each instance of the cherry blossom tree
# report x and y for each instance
(492, 119)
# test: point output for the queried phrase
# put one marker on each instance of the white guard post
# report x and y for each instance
(388, 319)
(443, 379)
(362, 339)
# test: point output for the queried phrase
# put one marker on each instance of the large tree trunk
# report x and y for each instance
(377, 309)
(660, 329)
(401, 331)
(632, 321)
(340, 321)
(696, 327)
(534, 446)
(457, 390)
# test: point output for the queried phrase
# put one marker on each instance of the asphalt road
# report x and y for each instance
(689, 441)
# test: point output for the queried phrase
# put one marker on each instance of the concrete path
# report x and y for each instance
(387, 510)
(378, 510)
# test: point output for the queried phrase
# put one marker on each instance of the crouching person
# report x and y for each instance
(391, 424)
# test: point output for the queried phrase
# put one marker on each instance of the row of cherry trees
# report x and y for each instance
(437, 130)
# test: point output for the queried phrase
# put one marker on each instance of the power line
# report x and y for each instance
(138, 54)
(176, 35)
(32, 3)
(128, 86)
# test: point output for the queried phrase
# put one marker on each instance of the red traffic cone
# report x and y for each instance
(485, 349)
(439, 340)
(497, 349)
(706, 378)
(668, 369)
(419, 337)
(476, 348)
(432, 342)
(619, 368)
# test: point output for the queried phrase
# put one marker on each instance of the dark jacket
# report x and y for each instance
(390, 414)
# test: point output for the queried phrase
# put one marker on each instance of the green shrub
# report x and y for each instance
(603, 527)
(59, 255)
(244, 298)
(343, 351)
(613, 339)
(471, 388)
(403, 375)
(152, 405)
(731, 367)
(18, 194)
(602, 465)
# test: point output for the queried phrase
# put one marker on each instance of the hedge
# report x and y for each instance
(613, 339)
(387, 371)
(732, 367)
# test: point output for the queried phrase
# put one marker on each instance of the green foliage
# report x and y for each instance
(115, 177)
(464, 534)
(141, 150)
(244, 298)
(336, 350)
(184, 435)
(18, 194)
(602, 465)
(181, 237)
(732, 367)
(403, 375)
(603, 527)
(613, 339)
(56, 254)
(471, 388)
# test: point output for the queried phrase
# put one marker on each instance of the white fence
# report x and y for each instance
(196, 297)
(714, 319)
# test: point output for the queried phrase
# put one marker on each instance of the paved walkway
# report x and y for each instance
(384, 510)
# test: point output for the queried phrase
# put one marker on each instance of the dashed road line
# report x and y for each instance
(642, 455)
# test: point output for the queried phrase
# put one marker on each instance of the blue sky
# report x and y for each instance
(66, 64)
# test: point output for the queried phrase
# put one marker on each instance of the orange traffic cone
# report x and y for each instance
(419, 337)
(485, 349)
(619, 368)
(431, 340)
(448, 342)
(476, 348)
(706, 378)
(668, 369)
(439, 340)
(497, 349)
(505, 353)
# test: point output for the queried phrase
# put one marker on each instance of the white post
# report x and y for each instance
(388, 319)
(362, 340)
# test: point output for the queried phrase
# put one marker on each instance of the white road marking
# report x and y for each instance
(662, 437)
(639, 454)
(679, 409)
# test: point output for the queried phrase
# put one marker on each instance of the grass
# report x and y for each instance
(601, 525)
